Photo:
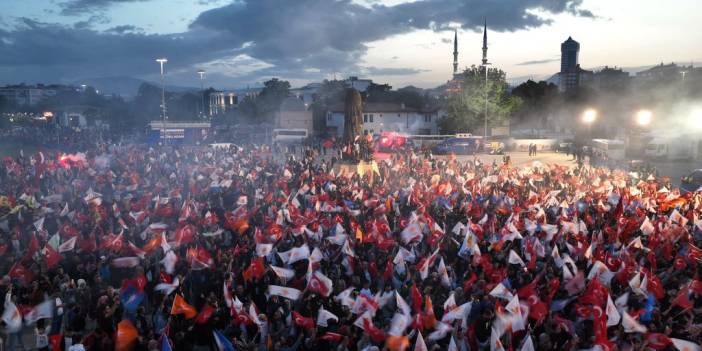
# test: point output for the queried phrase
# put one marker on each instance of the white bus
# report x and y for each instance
(614, 149)
(289, 135)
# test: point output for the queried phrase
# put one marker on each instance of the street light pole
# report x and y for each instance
(162, 61)
(202, 92)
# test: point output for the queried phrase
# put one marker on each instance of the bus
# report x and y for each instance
(289, 135)
(614, 149)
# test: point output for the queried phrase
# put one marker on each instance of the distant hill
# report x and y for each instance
(124, 86)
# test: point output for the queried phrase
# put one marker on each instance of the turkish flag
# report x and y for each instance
(302, 321)
(205, 314)
(332, 337)
(255, 270)
(52, 257)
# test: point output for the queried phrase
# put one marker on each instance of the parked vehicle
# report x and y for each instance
(613, 149)
(289, 135)
(464, 145)
(691, 182)
(668, 149)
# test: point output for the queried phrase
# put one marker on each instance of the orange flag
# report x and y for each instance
(397, 343)
(126, 336)
(182, 307)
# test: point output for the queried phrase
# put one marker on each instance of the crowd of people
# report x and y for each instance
(191, 248)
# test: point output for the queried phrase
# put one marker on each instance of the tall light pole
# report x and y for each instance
(485, 65)
(202, 91)
(162, 61)
(589, 117)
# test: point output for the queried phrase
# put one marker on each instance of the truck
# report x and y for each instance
(669, 149)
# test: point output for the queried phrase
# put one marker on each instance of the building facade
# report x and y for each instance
(571, 75)
(30, 95)
(388, 117)
(222, 101)
(293, 114)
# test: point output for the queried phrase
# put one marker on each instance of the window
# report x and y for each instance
(427, 118)
(365, 118)
(398, 115)
(372, 131)
(329, 117)
(371, 118)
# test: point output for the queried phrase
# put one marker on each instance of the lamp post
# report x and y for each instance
(202, 91)
(162, 61)
(644, 118)
(589, 117)
(485, 65)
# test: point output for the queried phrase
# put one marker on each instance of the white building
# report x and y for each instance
(388, 117)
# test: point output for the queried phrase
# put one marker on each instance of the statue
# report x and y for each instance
(353, 113)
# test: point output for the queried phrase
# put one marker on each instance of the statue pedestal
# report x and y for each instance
(361, 167)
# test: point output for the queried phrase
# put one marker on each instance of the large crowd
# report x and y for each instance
(191, 248)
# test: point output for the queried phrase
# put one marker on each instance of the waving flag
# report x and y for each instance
(169, 262)
(323, 317)
(182, 307)
(283, 273)
(52, 257)
(205, 314)
(168, 288)
(223, 344)
(40, 311)
(320, 284)
(302, 321)
(11, 316)
(68, 245)
(165, 343)
(289, 293)
(131, 298)
(126, 336)
(684, 345)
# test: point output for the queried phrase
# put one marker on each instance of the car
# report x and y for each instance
(458, 146)
(692, 182)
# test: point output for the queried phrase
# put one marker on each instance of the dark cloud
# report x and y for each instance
(300, 39)
(77, 7)
(125, 29)
(537, 62)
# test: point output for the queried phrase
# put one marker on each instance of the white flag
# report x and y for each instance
(169, 262)
(631, 325)
(263, 249)
(515, 259)
(283, 273)
(684, 345)
(11, 316)
(68, 245)
(613, 315)
(323, 316)
(289, 293)
(167, 288)
(40, 311)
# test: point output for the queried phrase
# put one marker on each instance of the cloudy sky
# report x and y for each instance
(402, 42)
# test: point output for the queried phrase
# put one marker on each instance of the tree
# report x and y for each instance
(466, 109)
(269, 100)
(538, 100)
(331, 92)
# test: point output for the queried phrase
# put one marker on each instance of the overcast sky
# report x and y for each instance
(401, 42)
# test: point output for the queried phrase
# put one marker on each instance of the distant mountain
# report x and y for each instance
(124, 86)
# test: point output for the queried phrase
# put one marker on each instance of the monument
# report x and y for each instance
(357, 152)
(353, 116)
